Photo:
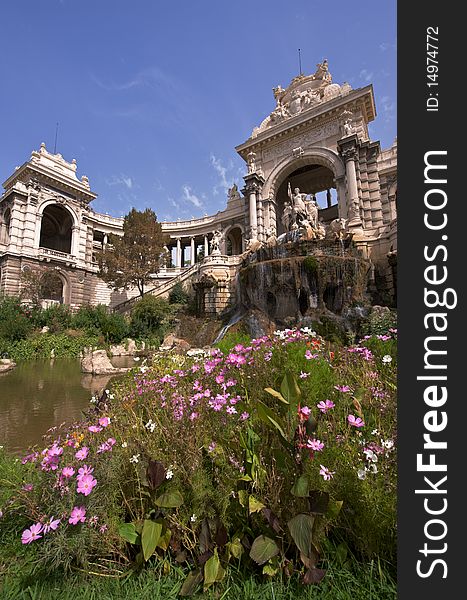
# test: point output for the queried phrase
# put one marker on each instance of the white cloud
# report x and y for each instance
(188, 196)
(226, 180)
(121, 180)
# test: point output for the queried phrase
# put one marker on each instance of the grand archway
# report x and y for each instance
(234, 241)
(51, 287)
(56, 229)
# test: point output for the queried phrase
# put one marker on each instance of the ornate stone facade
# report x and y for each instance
(315, 139)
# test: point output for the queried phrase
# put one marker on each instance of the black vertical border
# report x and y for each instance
(421, 131)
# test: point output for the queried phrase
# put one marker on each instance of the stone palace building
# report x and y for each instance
(315, 139)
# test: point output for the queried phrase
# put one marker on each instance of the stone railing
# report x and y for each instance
(166, 286)
(48, 254)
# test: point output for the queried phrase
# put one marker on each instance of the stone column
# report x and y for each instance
(178, 258)
(328, 198)
(192, 252)
(206, 246)
(349, 152)
(252, 189)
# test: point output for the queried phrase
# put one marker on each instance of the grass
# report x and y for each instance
(349, 582)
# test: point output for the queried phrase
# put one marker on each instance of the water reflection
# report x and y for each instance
(38, 395)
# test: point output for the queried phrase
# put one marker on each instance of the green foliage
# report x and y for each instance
(15, 323)
(149, 316)
(98, 320)
(56, 317)
(310, 264)
(379, 321)
(231, 339)
(177, 294)
(43, 345)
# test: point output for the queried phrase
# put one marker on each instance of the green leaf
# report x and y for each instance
(301, 530)
(301, 488)
(164, 540)
(235, 548)
(169, 500)
(194, 578)
(213, 570)
(269, 417)
(254, 505)
(263, 549)
(334, 508)
(276, 394)
(128, 532)
(243, 497)
(341, 553)
(289, 388)
(150, 537)
(268, 569)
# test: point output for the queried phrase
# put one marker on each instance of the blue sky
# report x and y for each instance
(151, 97)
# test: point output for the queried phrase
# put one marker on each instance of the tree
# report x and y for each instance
(131, 259)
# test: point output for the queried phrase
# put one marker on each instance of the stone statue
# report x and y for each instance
(215, 242)
(322, 72)
(271, 239)
(251, 162)
(312, 212)
(347, 125)
(233, 193)
(287, 216)
(297, 200)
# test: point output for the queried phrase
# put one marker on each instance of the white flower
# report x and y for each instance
(370, 455)
(373, 468)
(136, 358)
(143, 369)
(124, 444)
(169, 473)
(387, 444)
(135, 458)
(150, 425)
(107, 392)
(193, 518)
(361, 473)
(374, 432)
(111, 396)
(387, 359)
(93, 400)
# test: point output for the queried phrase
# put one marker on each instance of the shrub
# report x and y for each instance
(41, 345)
(177, 294)
(148, 317)
(15, 323)
(98, 320)
(56, 317)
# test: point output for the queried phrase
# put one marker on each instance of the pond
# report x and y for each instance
(37, 395)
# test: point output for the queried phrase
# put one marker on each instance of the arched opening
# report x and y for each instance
(233, 243)
(51, 287)
(314, 180)
(5, 227)
(56, 229)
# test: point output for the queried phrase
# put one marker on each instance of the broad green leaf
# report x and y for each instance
(276, 394)
(263, 549)
(150, 537)
(301, 530)
(254, 505)
(269, 417)
(194, 578)
(128, 532)
(301, 488)
(243, 497)
(213, 570)
(289, 388)
(164, 539)
(334, 508)
(169, 500)
(235, 548)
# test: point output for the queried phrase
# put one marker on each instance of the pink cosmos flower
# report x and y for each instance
(314, 444)
(31, 534)
(303, 375)
(305, 411)
(231, 410)
(326, 473)
(244, 416)
(78, 515)
(104, 421)
(84, 470)
(355, 421)
(325, 406)
(68, 472)
(94, 428)
(309, 355)
(27, 487)
(86, 484)
(342, 388)
(103, 528)
(51, 525)
(83, 453)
